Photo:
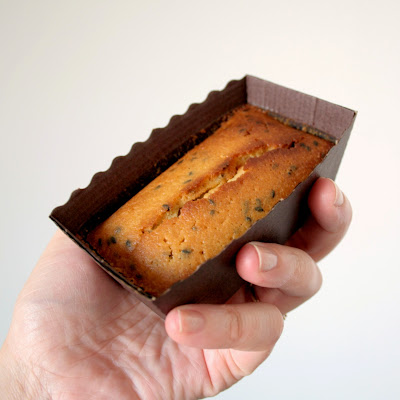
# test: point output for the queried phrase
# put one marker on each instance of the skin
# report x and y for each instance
(76, 334)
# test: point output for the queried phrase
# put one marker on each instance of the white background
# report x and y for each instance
(80, 81)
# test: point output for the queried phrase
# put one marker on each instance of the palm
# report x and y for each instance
(79, 326)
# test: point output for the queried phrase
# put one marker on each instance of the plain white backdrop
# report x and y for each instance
(80, 81)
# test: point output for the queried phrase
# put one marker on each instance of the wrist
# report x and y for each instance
(16, 379)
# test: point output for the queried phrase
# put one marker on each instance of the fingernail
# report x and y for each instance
(190, 321)
(267, 260)
(339, 198)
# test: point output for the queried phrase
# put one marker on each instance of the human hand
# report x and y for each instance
(77, 334)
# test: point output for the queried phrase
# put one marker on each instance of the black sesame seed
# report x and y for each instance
(128, 244)
(308, 148)
(138, 276)
(248, 219)
(315, 143)
(190, 173)
(258, 206)
(212, 202)
(212, 212)
(166, 207)
(187, 181)
(99, 242)
(272, 193)
(113, 240)
(157, 187)
(180, 162)
(186, 251)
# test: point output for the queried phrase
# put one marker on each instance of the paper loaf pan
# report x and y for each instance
(216, 280)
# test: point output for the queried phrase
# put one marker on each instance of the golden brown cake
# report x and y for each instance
(208, 198)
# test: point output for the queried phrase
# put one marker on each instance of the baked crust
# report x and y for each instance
(208, 198)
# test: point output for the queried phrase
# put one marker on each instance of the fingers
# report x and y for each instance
(284, 276)
(287, 276)
(248, 326)
(330, 218)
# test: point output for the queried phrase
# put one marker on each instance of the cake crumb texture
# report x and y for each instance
(208, 198)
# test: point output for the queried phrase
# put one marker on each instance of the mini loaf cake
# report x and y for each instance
(208, 198)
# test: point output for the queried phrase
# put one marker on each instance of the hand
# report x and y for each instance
(76, 334)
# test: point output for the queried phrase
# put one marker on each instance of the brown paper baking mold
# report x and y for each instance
(216, 280)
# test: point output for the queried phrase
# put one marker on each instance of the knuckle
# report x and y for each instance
(235, 325)
(304, 277)
(311, 277)
(276, 325)
(304, 267)
(257, 332)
